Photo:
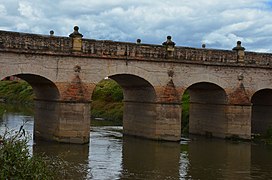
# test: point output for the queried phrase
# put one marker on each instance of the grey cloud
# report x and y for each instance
(217, 23)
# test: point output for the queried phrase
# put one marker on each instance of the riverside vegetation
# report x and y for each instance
(17, 162)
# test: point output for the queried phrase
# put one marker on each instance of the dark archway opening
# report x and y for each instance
(205, 112)
(137, 106)
(20, 90)
(261, 120)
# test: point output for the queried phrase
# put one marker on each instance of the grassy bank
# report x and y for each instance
(107, 103)
(16, 92)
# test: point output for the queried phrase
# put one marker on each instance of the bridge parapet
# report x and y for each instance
(55, 45)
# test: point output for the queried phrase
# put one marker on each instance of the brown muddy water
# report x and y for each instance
(109, 155)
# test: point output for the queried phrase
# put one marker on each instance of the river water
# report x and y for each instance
(109, 155)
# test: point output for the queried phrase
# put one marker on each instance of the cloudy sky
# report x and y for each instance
(217, 23)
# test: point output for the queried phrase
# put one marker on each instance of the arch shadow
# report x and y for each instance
(46, 108)
(139, 111)
(207, 109)
(261, 118)
(43, 88)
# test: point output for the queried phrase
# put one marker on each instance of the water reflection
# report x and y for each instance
(105, 155)
(76, 157)
(219, 159)
(261, 160)
(112, 156)
(146, 159)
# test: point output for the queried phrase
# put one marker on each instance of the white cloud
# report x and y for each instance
(28, 10)
(22, 27)
(3, 10)
(217, 23)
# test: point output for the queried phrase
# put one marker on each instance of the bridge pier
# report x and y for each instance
(62, 121)
(159, 121)
(168, 121)
(207, 119)
(220, 120)
(239, 120)
(139, 119)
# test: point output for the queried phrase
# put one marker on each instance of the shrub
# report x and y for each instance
(18, 163)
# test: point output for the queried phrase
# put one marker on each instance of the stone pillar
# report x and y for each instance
(207, 119)
(139, 119)
(170, 47)
(66, 119)
(238, 112)
(62, 121)
(168, 120)
(240, 52)
(159, 120)
(46, 120)
(76, 39)
(239, 120)
(207, 110)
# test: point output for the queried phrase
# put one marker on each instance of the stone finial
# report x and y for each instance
(239, 46)
(51, 33)
(138, 41)
(203, 46)
(77, 39)
(169, 42)
(170, 46)
(240, 51)
(75, 33)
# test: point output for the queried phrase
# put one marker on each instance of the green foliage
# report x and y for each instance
(107, 102)
(17, 162)
(112, 111)
(109, 91)
(16, 91)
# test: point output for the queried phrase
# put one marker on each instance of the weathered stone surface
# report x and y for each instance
(221, 88)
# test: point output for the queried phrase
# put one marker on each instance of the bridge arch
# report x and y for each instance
(46, 107)
(43, 88)
(207, 109)
(135, 71)
(261, 111)
(206, 78)
(135, 88)
(139, 112)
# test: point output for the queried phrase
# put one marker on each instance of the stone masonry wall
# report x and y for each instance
(45, 44)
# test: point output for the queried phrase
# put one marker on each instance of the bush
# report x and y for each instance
(18, 163)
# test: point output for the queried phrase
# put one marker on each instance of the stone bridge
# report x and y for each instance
(230, 90)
